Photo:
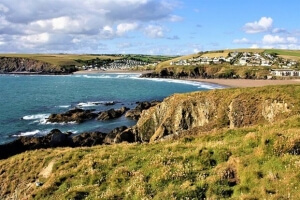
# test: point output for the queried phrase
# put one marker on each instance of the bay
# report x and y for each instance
(27, 100)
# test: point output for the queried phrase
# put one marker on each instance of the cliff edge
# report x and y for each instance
(193, 113)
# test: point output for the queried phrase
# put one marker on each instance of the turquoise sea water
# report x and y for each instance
(26, 101)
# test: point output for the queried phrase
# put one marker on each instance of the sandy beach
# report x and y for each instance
(234, 83)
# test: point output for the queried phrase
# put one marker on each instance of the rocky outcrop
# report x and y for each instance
(112, 114)
(54, 139)
(204, 111)
(27, 65)
(120, 134)
(137, 111)
(74, 115)
(58, 139)
(88, 139)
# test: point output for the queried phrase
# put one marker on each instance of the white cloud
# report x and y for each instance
(126, 27)
(154, 31)
(270, 39)
(107, 32)
(36, 39)
(241, 41)
(292, 39)
(3, 8)
(175, 18)
(69, 24)
(263, 25)
(275, 39)
(279, 30)
(75, 40)
(254, 46)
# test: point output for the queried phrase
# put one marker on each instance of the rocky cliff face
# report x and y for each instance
(24, 65)
(203, 111)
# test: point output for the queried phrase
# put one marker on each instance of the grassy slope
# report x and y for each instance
(59, 59)
(258, 162)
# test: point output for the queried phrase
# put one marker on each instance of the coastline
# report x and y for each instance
(226, 83)
(244, 83)
(112, 72)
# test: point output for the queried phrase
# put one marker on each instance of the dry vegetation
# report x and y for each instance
(255, 162)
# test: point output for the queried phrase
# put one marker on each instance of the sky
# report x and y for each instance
(165, 27)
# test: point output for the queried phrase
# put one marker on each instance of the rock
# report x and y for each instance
(54, 139)
(112, 114)
(109, 103)
(109, 139)
(88, 139)
(125, 136)
(74, 115)
(137, 111)
(119, 135)
(57, 138)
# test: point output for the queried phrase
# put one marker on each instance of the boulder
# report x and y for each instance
(112, 114)
(88, 139)
(120, 134)
(74, 115)
(137, 111)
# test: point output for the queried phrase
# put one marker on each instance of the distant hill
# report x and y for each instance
(66, 63)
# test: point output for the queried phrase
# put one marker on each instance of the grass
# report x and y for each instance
(256, 162)
(59, 59)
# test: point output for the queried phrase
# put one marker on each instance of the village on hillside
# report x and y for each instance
(280, 66)
(239, 59)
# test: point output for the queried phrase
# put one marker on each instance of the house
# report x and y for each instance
(285, 72)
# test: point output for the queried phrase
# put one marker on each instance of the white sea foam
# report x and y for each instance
(110, 76)
(45, 122)
(64, 106)
(187, 82)
(95, 103)
(35, 117)
(32, 133)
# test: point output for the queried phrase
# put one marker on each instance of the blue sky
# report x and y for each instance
(146, 26)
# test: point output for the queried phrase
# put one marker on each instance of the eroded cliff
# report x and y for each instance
(25, 65)
(204, 111)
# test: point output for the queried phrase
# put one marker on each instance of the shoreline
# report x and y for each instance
(112, 72)
(244, 83)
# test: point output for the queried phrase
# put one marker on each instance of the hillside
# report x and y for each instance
(255, 67)
(231, 143)
(66, 63)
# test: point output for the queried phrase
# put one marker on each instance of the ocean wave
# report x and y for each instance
(35, 117)
(95, 103)
(109, 76)
(45, 122)
(32, 133)
(187, 82)
(64, 106)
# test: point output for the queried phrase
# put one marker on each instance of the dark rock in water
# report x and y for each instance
(74, 115)
(88, 139)
(137, 111)
(110, 103)
(54, 139)
(112, 114)
(120, 134)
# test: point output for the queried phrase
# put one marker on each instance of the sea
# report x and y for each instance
(27, 100)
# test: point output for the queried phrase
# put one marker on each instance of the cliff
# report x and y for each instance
(27, 65)
(183, 114)
(209, 71)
